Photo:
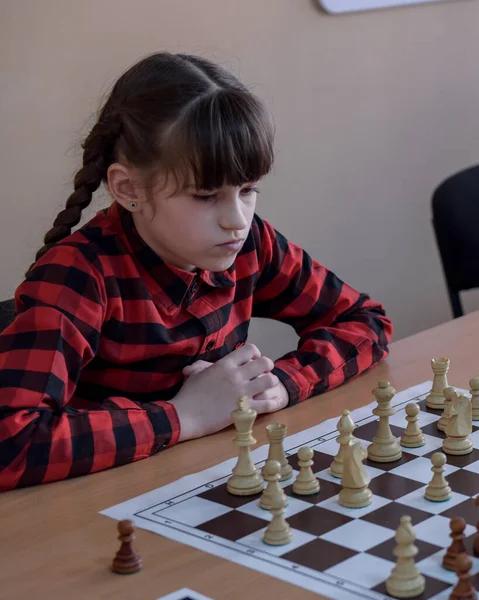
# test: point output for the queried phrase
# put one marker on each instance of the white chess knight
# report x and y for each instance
(459, 427)
(355, 480)
(450, 396)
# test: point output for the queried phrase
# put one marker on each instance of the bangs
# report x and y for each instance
(224, 138)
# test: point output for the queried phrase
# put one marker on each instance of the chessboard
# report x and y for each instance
(338, 552)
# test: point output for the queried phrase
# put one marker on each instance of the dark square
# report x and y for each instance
(233, 525)
(393, 486)
(321, 461)
(317, 520)
(433, 431)
(433, 587)
(424, 408)
(319, 555)
(390, 515)
(458, 461)
(385, 550)
(388, 466)
(464, 482)
(467, 510)
(368, 431)
(469, 543)
(221, 495)
(327, 489)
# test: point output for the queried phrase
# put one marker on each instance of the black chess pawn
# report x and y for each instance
(126, 560)
(464, 590)
(458, 525)
(475, 547)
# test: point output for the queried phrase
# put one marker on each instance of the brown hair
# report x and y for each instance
(177, 113)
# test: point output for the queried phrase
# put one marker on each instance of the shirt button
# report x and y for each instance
(209, 345)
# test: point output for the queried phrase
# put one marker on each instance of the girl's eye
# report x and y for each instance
(250, 190)
(204, 197)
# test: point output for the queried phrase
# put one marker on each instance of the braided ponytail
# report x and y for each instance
(98, 150)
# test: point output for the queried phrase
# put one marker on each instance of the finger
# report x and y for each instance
(266, 406)
(242, 355)
(256, 367)
(261, 384)
(267, 394)
(199, 365)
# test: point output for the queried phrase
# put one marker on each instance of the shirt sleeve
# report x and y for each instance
(341, 331)
(60, 310)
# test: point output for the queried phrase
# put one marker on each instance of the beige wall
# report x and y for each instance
(372, 111)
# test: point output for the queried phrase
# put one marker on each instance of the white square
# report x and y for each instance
(354, 513)
(425, 418)
(432, 443)
(194, 511)
(436, 531)
(417, 500)
(358, 535)
(419, 469)
(474, 467)
(255, 541)
(368, 570)
(294, 506)
(330, 447)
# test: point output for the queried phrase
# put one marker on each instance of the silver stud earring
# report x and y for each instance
(133, 205)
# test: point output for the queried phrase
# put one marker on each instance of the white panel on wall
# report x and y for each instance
(342, 6)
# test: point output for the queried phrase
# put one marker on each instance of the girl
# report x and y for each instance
(130, 333)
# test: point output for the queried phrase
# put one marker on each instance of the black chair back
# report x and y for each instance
(7, 313)
(455, 217)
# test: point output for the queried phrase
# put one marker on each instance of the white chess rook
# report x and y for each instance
(405, 580)
(474, 390)
(276, 433)
(245, 480)
(440, 367)
(385, 447)
(459, 428)
(345, 427)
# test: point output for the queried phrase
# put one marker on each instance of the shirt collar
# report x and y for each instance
(173, 281)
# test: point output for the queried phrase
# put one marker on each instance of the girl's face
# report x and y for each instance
(194, 229)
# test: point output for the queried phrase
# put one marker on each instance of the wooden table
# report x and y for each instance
(54, 544)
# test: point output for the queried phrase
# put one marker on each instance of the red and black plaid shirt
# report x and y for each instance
(105, 327)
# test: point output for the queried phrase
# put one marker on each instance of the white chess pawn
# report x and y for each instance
(276, 433)
(440, 367)
(405, 580)
(278, 531)
(385, 447)
(245, 479)
(306, 484)
(355, 480)
(438, 490)
(271, 474)
(474, 385)
(346, 427)
(450, 396)
(412, 436)
(459, 428)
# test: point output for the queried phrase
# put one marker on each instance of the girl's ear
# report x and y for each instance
(122, 187)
